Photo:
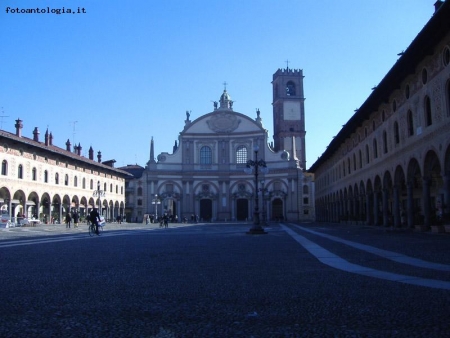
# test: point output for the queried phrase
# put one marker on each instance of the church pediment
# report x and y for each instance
(223, 122)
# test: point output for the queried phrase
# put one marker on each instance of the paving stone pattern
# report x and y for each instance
(214, 280)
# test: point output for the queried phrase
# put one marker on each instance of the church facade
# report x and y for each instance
(223, 167)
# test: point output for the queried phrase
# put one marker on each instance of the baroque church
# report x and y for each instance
(224, 168)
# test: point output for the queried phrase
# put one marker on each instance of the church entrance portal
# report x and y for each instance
(242, 209)
(205, 210)
(277, 209)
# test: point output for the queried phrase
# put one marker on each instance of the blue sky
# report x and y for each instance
(129, 70)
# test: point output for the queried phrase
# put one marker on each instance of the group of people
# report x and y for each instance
(75, 217)
(93, 218)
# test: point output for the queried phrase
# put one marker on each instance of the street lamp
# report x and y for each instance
(99, 193)
(260, 166)
(263, 193)
(156, 201)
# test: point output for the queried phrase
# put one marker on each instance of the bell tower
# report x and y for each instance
(289, 113)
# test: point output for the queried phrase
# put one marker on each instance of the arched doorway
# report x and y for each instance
(205, 210)
(277, 209)
(242, 209)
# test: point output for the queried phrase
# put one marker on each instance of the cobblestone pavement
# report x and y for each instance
(214, 280)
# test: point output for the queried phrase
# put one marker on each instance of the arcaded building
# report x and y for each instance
(390, 163)
(41, 180)
(206, 174)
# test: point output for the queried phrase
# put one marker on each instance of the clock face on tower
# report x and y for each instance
(291, 110)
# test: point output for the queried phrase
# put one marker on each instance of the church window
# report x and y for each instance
(205, 155)
(305, 189)
(360, 159)
(241, 154)
(139, 191)
(305, 200)
(290, 88)
(139, 202)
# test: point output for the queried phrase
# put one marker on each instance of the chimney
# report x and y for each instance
(46, 137)
(50, 139)
(68, 145)
(79, 149)
(36, 134)
(19, 126)
(438, 5)
(99, 157)
(91, 153)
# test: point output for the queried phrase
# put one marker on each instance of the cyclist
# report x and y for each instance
(94, 217)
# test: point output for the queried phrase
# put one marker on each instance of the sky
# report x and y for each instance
(121, 72)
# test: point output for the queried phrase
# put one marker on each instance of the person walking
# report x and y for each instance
(68, 220)
(76, 218)
(94, 218)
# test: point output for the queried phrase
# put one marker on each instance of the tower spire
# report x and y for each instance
(152, 151)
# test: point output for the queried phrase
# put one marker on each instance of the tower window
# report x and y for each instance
(290, 88)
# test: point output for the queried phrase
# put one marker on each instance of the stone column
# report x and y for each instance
(446, 201)
(375, 207)
(410, 204)
(385, 207)
(426, 201)
(369, 219)
(397, 221)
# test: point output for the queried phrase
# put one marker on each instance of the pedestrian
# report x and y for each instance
(76, 218)
(94, 217)
(68, 220)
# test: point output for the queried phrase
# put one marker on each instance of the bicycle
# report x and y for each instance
(92, 229)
